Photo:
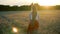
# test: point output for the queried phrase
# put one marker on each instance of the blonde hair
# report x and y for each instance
(34, 11)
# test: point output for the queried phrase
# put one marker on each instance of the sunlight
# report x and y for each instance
(15, 29)
(34, 1)
(46, 2)
(28, 2)
(47, 7)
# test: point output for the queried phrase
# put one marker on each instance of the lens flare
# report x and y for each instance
(15, 29)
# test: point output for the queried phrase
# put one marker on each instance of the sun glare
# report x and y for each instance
(46, 2)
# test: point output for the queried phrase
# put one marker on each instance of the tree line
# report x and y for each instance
(27, 7)
(14, 8)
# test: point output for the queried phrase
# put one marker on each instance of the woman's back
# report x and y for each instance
(33, 24)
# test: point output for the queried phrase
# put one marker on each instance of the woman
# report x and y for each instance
(34, 24)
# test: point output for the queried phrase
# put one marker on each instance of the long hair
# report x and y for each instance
(34, 12)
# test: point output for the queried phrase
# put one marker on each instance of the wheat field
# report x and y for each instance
(49, 21)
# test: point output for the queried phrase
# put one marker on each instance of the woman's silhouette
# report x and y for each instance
(34, 23)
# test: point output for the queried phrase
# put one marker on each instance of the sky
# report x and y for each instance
(28, 2)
